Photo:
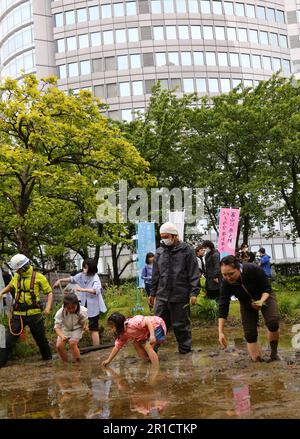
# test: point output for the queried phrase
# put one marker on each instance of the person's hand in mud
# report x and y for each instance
(105, 363)
(193, 300)
(222, 340)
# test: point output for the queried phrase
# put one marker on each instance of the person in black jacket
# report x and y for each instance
(212, 270)
(249, 284)
(175, 277)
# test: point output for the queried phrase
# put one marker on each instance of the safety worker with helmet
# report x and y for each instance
(26, 286)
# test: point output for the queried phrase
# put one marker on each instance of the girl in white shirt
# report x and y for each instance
(89, 294)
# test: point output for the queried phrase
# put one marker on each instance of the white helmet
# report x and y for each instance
(18, 261)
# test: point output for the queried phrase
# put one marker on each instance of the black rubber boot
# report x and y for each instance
(274, 346)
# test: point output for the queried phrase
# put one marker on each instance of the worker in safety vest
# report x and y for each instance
(26, 286)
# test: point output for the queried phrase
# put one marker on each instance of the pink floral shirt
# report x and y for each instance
(137, 330)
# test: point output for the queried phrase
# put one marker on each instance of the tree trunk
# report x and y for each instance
(246, 228)
(115, 264)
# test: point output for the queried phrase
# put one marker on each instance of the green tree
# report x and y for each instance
(56, 151)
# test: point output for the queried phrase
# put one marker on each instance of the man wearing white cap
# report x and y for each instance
(175, 284)
(26, 286)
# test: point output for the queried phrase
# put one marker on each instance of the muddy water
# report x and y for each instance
(208, 383)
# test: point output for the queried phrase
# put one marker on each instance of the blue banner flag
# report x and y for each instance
(145, 244)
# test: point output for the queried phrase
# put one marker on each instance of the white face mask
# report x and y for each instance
(167, 241)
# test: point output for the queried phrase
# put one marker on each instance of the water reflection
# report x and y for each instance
(241, 397)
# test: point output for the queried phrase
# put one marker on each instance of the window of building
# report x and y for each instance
(242, 35)
(283, 41)
(289, 251)
(208, 33)
(225, 85)
(286, 65)
(248, 83)
(186, 58)
(276, 64)
(173, 58)
(124, 89)
(239, 9)
(168, 6)
(98, 65)
(85, 67)
(231, 34)
(99, 91)
(149, 84)
(205, 6)
(158, 33)
(234, 60)
(175, 83)
(148, 59)
(62, 71)
(250, 11)
(131, 8)
(253, 36)
(271, 14)
(256, 61)
(183, 32)
(264, 39)
(198, 59)
(94, 13)
(236, 82)
(59, 19)
(71, 43)
(228, 8)
(127, 115)
(81, 15)
(217, 7)
(220, 33)
(222, 59)
(188, 85)
(160, 59)
(193, 6)
(137, 88)
(210, 59)
(201, 85)
(196, 32)
(108, 37)
(278, 250)
(110, 63)
(120, 36)
(73, 69)
(111, 90)
(213, 85)
(119, 9)
(83, 41)
(261, 12)
(171, 32)
(122, 62)
(181, 6)
(135, 61)
(156, 7)
(96, 39)
(106, 11)
(245, 60)
(70, 17)
(280, 18)
(133, 35)
(273, 39)
(267, 63)
(61, 45)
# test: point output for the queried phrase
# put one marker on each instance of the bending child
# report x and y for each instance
(146, 333)
(70, 322)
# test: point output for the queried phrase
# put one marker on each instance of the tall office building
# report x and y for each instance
(120, 48)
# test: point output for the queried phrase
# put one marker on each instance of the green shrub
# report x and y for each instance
(285, 305)
(206, 309)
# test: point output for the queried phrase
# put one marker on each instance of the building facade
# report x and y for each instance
(120, 48)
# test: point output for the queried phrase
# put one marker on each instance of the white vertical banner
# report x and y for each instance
(177, 218)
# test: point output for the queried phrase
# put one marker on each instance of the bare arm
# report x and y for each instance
(47, 310)
(259, 303)
(112, 355)
(222, 338)
(86, 290)
(60, 334)
(7, 289)
(151, 330)
(64, 280)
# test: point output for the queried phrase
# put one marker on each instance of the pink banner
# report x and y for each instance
(228, 226)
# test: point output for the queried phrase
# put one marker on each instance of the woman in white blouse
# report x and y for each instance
(89, 294)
